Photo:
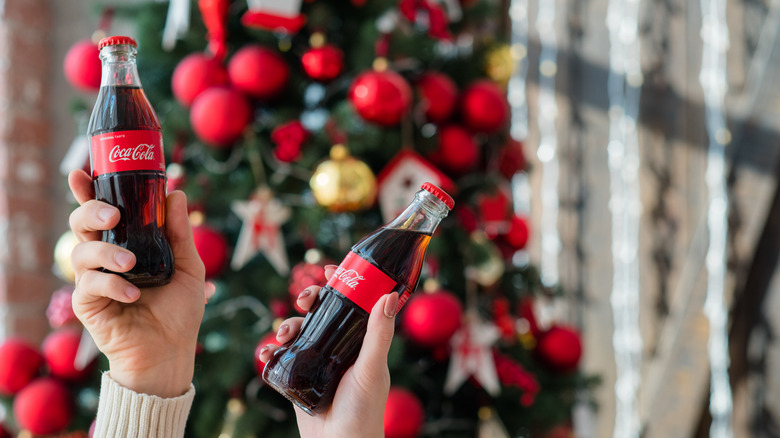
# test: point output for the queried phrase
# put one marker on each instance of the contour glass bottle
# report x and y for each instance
(308, 370)
(128, 165)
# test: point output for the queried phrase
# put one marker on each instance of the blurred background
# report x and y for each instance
(609, 267)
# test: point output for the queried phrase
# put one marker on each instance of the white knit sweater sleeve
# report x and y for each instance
(123, 413)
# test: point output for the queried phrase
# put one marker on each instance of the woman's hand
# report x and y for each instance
(359, 404)
(149, 336)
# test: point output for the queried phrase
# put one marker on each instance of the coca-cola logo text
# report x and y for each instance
(138, 153)
(350, 277)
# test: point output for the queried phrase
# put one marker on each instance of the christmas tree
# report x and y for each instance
(295, 129)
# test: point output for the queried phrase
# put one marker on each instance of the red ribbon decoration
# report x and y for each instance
(105, 19)
(214, 13)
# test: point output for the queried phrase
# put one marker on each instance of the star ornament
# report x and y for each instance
(261, 232)
(472, 357)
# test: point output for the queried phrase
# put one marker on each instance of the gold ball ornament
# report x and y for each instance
(343, 183)
(500, 64)
(62, 262)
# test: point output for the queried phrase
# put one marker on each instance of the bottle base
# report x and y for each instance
(305, 407)
(141, 281)
(146, 284)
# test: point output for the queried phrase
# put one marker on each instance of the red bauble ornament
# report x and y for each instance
(258, 71)
(518, 232)
(484, 107)
(494, 211)
(381, 97)
(511, 158)
(430, 319)
(195, 74)
(59, 349)
(438, 96)
(289, 139)
(212, 248)
(19, 364)
(560, 347)
(269, 338)
(219, 116)
(404, 414)
(302, 276)
(44, 407)
(457, 151)
(82, 66)
(323, 64)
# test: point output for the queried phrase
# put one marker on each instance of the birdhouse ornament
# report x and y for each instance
(402, 177)
(274, 15)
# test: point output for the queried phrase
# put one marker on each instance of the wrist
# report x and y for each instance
(166, 379)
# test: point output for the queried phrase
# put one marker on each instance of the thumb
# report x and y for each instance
(371, 364)
(179, 232)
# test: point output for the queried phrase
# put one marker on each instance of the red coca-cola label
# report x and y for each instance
(361, 282)
(123, 151)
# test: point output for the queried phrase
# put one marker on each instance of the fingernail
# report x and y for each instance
(264, 350)
(122, 258)
(106, 213)
(283, 330)
(390, 305)
(304, 294)
(132, 292)
(209, 289)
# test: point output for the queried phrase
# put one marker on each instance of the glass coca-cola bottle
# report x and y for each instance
(128, 165)
(308, 370)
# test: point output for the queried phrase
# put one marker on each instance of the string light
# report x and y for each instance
(624, 83)
(715, 41)
(521, 188)
(548, 144)
(518, 13)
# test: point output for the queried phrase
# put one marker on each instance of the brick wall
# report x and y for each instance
(26, 172)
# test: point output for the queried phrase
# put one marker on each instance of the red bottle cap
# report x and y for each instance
(116, 40)
(439, 193)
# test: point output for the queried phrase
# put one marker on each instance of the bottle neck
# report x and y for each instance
(119, 67)
(423, 214)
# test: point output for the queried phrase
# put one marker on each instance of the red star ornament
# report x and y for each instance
(263, 216)
(472, 357)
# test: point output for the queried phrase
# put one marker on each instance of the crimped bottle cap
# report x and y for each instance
(439, 193)
(116, 40)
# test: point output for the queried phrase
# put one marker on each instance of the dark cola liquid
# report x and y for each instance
(139, 195)
(308, 370)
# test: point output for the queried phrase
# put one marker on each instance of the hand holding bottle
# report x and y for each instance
(150, 345)
(127, 163)
(359, 403)
(387, 261)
